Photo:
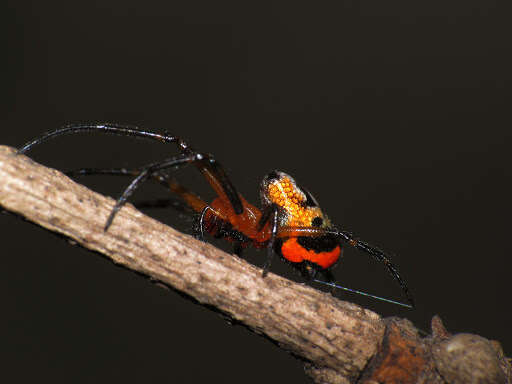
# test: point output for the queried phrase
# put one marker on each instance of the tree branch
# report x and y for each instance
(340, 342)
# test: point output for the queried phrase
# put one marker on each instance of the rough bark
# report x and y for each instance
(340, 342)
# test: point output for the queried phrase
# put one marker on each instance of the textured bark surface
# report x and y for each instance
(340, 342)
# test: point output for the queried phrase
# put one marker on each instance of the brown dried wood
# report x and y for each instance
(341, 342)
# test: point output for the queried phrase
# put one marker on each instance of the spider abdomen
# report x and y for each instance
(324, 251)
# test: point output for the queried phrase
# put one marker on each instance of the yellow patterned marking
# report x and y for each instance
(285, 193)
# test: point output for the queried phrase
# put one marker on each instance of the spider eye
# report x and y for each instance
(317, 222)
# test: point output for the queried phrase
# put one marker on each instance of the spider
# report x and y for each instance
(290, 222)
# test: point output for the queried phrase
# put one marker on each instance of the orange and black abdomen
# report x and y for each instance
(322, 251)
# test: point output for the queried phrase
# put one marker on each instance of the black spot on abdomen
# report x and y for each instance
(319, 244)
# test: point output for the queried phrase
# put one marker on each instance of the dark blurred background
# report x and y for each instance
(396, 115)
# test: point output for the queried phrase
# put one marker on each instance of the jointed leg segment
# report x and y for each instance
(206, 164)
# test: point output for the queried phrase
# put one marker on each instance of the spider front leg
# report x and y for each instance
(270, 214)
(190, 202)
(145, 173)
(206, 164)
(154, 170)
(379, 255)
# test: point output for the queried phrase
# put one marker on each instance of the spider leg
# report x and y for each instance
(199, 227)
(270, 214)
(103, 171)
(350, 239)
(170, 202)
(145, 173)
(265, 217)
(193, 202)
(379, 256)
(116, 129)
(161, 178)
(219, 181)
(207, 165)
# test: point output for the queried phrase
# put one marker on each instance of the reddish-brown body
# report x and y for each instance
(246, 223)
